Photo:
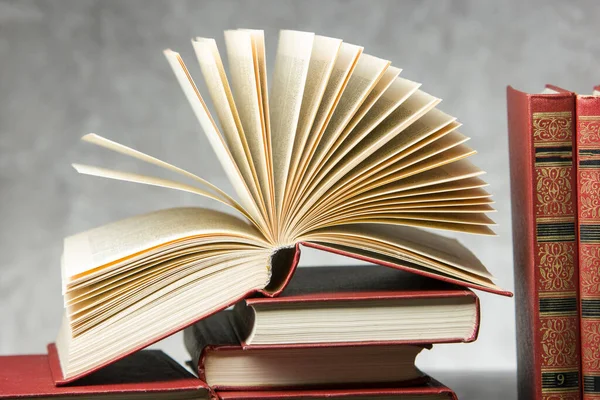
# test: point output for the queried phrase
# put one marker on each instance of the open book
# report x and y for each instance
(341, 154)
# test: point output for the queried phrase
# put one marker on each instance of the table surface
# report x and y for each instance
(487, 385)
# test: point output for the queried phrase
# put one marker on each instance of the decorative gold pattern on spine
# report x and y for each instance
(552, 127)
(556, 267)
(554, 206)
(554, 190)
(588, 193)
(589, 130)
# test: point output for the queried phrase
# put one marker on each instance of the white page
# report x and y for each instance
(433, 125)
(214, 137)
(246, 94)
(119, 148)
(364, 77)
(342, 69)
(289, 78)
(260, 66)
(409, 111)
(322, 60)
(106, 244)
(159, 182)
(387, 79)
(396, 94)
(233, 132)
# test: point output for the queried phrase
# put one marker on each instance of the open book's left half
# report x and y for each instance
(342, 154)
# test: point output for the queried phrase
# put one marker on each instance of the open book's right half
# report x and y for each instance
(341, 154)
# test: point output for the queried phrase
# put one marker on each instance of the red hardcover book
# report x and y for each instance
(543, 190)
(588, 209)
(148, 374)
(341, 305)
(223, 363)
(430, 391)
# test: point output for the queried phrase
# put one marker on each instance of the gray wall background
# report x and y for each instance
(72, 67)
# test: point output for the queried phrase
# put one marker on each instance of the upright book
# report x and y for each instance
(543, 190)
(588, 208)
(342, 154)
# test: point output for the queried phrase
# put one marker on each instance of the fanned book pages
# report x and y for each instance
(341, 154)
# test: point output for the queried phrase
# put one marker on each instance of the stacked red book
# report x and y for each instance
(334, 329)
(148, 374)
(335, 332)
(151, 374)
(555, 185)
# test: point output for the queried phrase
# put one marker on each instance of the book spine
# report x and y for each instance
(588, 213)
(541, 139)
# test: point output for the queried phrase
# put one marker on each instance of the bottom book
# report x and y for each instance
(433, 390)
(151, 374)
(147, 374)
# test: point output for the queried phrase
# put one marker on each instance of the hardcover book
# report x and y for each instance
(588, 201)
(221, 361)
(148, 374)
(543, 190)
(360, 305)
(433, 390)
(342, 155)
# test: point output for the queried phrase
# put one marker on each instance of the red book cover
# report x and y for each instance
(588, 209)
(284, 264)
(543, 190)
(214, 339)
(149, 373)
(432, 390)
(344, 286)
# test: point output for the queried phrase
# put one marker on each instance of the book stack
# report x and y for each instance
(555, 185)
(334, 328)
(343, 155)
(334, 332)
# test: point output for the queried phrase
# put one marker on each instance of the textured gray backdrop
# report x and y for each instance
(72, 67)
